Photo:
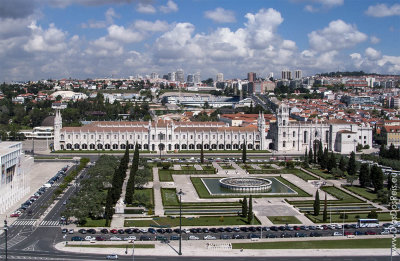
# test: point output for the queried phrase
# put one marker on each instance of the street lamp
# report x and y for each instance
(180, 193)
(5, 231)
(133, 250)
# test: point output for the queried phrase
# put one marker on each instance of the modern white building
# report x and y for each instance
(159, 135)
(220, 77)
(336, 135)
(14, 173)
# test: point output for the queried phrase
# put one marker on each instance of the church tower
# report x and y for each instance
(57, 129)
(282, 115)
(281, 135)
(261, 129)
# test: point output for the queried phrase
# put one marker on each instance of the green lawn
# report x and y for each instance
(320, 244)
(284, 220)
(199, 221)
(165, 176)
(226, 166)
(186, 172)
(322, 173)
(351, 217)
(184, 167)
(169, 197)
(148, 194)
(114, 246)
(94, 223)
(363, 192)
(303, 175)
(342, 195)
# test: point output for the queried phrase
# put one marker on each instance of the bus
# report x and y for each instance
(368, 222)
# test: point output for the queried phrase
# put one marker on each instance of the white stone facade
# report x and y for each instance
(337, 136)
(161, 135)
(13, 174)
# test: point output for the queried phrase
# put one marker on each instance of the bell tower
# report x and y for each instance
(282, 115)
(58, 124)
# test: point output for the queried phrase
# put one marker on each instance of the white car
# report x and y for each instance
(319, 227)
(193, 237)
(115, 238)
(71, 231)
(112, 257)
(130, 238)
(209, 237)
(185, 230)
(142, 230)
(89, 238)
(337, 234)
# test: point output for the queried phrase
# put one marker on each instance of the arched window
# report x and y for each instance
(214, 146)
(169, 147)
(177, 146)
(62, 147)
(122, 146)
(294, 134)
(294, 144)
(84, 146)
(206, 146)
(107, 146)
(62, 137)
(284, 122)
(191, 146)
(284, 144)
(99, 146)
(257, 147)
(115, 146)
(221, 146)
(228, 146)
(92, 146)
(235, 146)
(69, 146)
(184, 146)
(305, 137)
(131, 146)
(145, 146)
(316, 133)
(284, 134)
(198, 146)
(250, 146)
(76, 146)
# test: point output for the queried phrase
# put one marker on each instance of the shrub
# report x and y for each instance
(166, 165)
(343, 216)
(372, 214)
(221, 219)
(366, 146)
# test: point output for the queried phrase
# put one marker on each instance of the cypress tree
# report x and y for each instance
(351, 166)
(315, 152)
(331, 162)
(382, 151)
(250, 214)
(202, 154)
(325, 213)
(389, 182)
(310, 155)
(342, 164)
(244, 207)
(377, 178)
(364, 177)
(320, 152)
(244, 153)
(306, 156)
(325, 158)
(316, 204)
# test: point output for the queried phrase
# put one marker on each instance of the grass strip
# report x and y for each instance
(284, 220)
(351, 217)
(363, 192)
(320, 244)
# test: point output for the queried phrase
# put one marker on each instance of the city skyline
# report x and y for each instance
(103, 38)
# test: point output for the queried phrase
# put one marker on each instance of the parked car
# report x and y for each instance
(251, 236)
(115, 238)
(89, 238)
(130, 238)
(76, 238)
(224, 236)
(112, 257)
(104, 231)
(238, 236)
(370, 233)
(100, 238)
(192, 237)
(209, 237)
(337, 234)
(174, 237)
(64, 231)
(145, 238)
(91, 231)
(82, 231)
(114, 231)
(71, 231)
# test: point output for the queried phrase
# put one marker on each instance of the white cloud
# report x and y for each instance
(109, 19)
(374, 39)
(145, 8)
(338, 35)
(50, 40)
(156, 26)
(318, 5)
(65, 3)
(382, 10)
(170, 7)
(123, 34)
(372, 54)
(220, 15)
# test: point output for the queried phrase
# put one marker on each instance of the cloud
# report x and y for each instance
(221, 15)
(16, 8)
(338, 35)
(319, 5)
(145, 8)
(170, 7)
(122, 34)
(156, 26)
(65, 3)
(50, 40)
(372, 54)
(382, 10)
(374, 39)
(109, 19)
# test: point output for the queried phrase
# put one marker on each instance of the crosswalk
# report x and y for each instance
(49, 223)
(12, 242)
(24, 222)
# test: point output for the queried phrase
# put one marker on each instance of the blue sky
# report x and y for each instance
(42, 39)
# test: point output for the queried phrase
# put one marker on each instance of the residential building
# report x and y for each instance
(180, 75)
(286, 75)
(298, 74)
(251, 76)
(220, 77)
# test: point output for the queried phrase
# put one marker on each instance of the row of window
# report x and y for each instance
(161, 136)
(160, 146)
(284, 144)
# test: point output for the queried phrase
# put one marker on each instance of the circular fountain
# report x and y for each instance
(246, 184)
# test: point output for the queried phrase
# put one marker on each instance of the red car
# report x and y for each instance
(370, 233)
(348, 233)
(14, 215)
(114, 231)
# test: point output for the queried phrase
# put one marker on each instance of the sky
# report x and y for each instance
(54, 39)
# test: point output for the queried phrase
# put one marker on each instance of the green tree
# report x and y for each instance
(351, 166)
(202, 155)
(320, 152)
(244, 153)
(377, 178)
(250, 214)
(342, 163)
(325, 213)
(310, 155)
(364, 177)
(244, 207)
(372, 214)
(316, 204)
(325, 159)
(331, 162)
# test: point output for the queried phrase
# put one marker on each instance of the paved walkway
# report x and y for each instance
(198, 167)
(238, 169)
(200, 248)
(158, 206)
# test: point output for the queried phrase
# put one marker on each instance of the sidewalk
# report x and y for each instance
(158, 205)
